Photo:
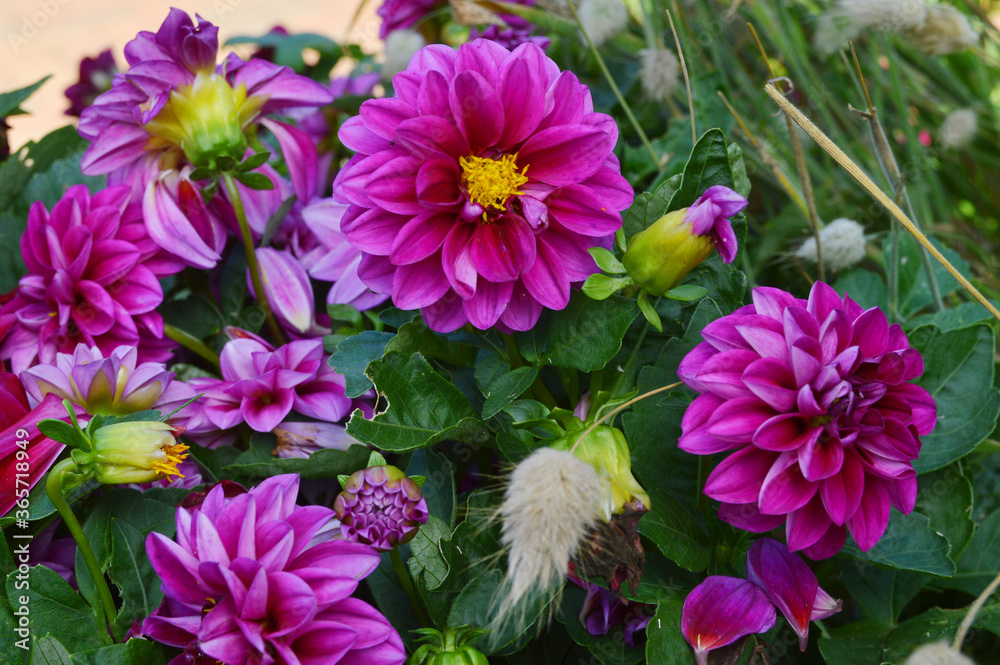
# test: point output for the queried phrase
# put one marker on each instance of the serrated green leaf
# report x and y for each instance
(980, 562)
(352, 356)
(587, 334)
(909, 543)
(423, 407)
(958, 373)
(508, 388)
(427, 563)
(49, 651)
(945, 497)
(259, 461)
(56, 609)
(131, 572)
(134, 652)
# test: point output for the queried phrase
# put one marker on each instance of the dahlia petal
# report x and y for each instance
(520, 88)
(437, 185)
(377, 273)
(722, 373)
(446, 315)
(784, 488)
(356, 136)
(871, 331)
(432, 98)
(903, 494)
(772, 381)
(772, 302)
(767, 343)
(419, 284)
(504, 249)
(579, 210)
(740, 418)
(739, 477)
(872, 517)
(823, 299)
(786, 432)
(172, 230)
(564, 101)
(522, 311)
(747, 516)
(489, 302)
(721, 610)
(299, 153)
(139, 291)
(831, 543)
(372, 231)
(477, 108)
(393, 186)
(545, 280)
(787, 581)
(420, 237)
(176, 567)
(820, 459)
(609, 186)
(725, 240)
(94, 316)
(565, 155)
(431, 136)
(807, 525)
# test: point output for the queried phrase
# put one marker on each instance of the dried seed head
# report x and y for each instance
(602, 19)
(938, 653)
(959, 128)
(842, 242)
(945, 30)
(659, 72)
(884, 14)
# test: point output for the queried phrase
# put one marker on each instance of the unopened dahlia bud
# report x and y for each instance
(842, 242)
(720, 611)
(134, 452)
(660, 257)
(551, 503)
(659, 72)
(602, 19)
(959, 128)
(452, 647)
(400, 46)
(380, 507)
(605, 449)
(945, 30)
(206, 119)
(938, 653)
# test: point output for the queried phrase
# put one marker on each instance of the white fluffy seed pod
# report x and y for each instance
(400, 46)
(832, 32)
(842, 242)
(945, 30)
(659, 72)
(887, 14)
(602, 19)
(552, 501)
(938, 653)
(958, 129)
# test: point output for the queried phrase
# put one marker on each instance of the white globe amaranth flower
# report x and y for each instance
(842, 242)
(659, 72)
(552, 501)
(400, 46)
(959, 128)
(602, 19)
(938, 653)
(885, 14)
(945, 30)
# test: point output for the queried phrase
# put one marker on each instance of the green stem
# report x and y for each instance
(192, 343)
(894, 273)
(409, 589)
(621, 386)
(248, 246)
(53, 487)
(541, 392)
(614, 88)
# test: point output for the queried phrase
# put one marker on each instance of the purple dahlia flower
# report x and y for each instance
(255, 579)
(476, 193)
(403, 14)
(603, 608)
(380, 507)
(86, 282)
(174, 108)
(96, 75)
(114, 385)
(814, 398)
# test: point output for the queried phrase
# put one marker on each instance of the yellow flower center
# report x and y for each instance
(175, 455)
(205, 119)
(490, 182)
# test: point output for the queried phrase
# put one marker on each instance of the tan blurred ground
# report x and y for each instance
(39, 37)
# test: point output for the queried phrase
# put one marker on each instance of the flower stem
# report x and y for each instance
(614, 412)
(411, 591)
(192, 343)
(614, 88)
(248, 246)
(106, 610)
(970, 616)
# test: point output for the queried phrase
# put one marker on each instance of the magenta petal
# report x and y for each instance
(299, 153)
(841, 493)
(373, 230)
(545, 280)
(520, 87)
(739, 477)
(502, 250)
(828, 545)
(721, 610)
(419, 284)
(393, 186)
(807, 525)
(784, 488)
(786, 432)
(420, 237)
(747, 516)
(565, 155)
(432, 136)
(490, 301)
(872, 517)
(477, 109)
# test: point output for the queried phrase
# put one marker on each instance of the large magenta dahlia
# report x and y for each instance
(814, 398)
(476, 193)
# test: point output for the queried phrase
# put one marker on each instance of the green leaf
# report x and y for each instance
(965, 315)
(648, 311)
(392, 600)
(253, 180)
(439, 484)
(881, 593)
(677, 529)
(665, 644)
(607, 261)
(63, 432)
(131, 572)
(708, 165)
(476, 605)
(909, 543)
(427, 563)
(508, 388)
(945, 497)
(12, 227)
(958, 373)
(11, 650)
(864, 287)
(49, 651)
(10, 102)
(259, 461)
(353, 355)
(587, 334)
(914, 291)
(254, 161)
(650, 206)
(56, 609)
(609, 649)
(277, 218)
(741, 182)
(424, 407)
(687, 292)
(195, 315)
(980, 561)
(601, 287)
(134, 652)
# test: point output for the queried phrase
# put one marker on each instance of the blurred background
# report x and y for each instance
(40, 37)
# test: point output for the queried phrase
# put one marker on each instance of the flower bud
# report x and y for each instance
(453, 647)
(606, 449)
(206, 119)
(380, 507)
(134, 452)
(661, 256)
(721, 610)
(287, 287)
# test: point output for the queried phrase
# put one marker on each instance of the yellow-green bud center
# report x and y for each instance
(660, 257)
(137, 452)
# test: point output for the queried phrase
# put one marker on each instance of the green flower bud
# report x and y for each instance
(134, 452)
(660, 257)
(449, 648)
(605, 449)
